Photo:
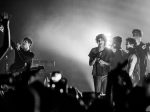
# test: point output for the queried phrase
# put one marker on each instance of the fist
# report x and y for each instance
(18, 46)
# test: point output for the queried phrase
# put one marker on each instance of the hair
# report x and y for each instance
(28, 39)
(137, 31)
(131, 41)
(117, 40)
(101, 36)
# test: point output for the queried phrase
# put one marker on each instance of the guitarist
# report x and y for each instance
(100, 59)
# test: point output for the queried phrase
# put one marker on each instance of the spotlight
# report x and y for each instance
(56, 77)
(56, 82)
(109, 40)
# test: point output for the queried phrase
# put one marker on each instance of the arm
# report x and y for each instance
(92, 61)
(92, 57)
(6, 40)
(104, 63)
(132, 66)
(29, 60)
(148, 55)
(15, 46)
(148, 51)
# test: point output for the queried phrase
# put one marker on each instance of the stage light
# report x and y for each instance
(56, 77)
(108, 34)
(109, 40)
(53, 86)
(56, 81)
(61, 90)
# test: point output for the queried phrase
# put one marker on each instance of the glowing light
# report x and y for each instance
(53, 86)
(57, 77)
(61, 90)
(109, 40)
(108, 34)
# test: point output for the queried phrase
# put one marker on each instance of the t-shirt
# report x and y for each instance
(104, 55)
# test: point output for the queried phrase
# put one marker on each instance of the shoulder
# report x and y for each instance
(94, 50)
(148, 46)
(134, 57)
(143, 45)
(31, 54)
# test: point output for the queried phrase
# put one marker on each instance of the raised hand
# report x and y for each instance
(18, 46)
(5, 15)
(4, 19)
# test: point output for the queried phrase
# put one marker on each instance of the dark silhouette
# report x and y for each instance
(23, 56)
(4, 21)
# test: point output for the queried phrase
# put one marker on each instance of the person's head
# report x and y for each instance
(117, 42)
(130, 43)
(101, 39)
(26, 43)
(137, 35)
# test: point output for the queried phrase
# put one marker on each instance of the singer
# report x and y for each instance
(23, 55)
(100, 58)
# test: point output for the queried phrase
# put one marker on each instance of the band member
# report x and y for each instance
(142, 50)
(119, 55)
(133, 67)
(4, 21)
(99, 58)
(23, 55)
